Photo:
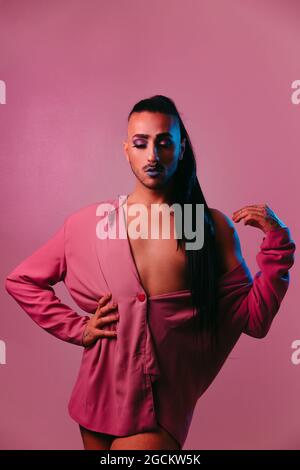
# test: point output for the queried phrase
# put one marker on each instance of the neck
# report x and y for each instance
(146, 196)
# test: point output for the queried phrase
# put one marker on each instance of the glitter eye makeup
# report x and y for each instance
(143, 145)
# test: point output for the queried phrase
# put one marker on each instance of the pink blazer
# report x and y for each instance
(153, 372)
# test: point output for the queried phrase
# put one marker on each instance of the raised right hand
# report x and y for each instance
(94, 327)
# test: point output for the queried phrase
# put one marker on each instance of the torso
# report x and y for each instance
(160, 266)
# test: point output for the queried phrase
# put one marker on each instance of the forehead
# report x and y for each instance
(152, 124)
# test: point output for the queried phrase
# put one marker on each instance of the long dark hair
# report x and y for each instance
(203, 263)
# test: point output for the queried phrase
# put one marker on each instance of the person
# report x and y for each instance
(147, 356)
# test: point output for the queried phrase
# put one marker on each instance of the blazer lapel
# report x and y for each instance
(113, 251)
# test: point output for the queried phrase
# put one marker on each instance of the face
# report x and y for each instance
(153, 147)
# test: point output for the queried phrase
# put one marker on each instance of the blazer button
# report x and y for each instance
(141, 297)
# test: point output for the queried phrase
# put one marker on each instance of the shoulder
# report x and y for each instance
(223, 224)
(92, 210)
(80, 224)
(227, 241)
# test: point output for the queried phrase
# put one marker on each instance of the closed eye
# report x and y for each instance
(160, 144)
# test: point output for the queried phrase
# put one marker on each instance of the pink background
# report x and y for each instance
(73, 70)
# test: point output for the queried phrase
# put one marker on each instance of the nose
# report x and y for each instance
(153, 156)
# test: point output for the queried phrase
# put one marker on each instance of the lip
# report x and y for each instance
(153, 171)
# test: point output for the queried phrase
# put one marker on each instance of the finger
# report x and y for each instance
(254, 220)
(106, 309)
(103, 301)
(253, 217)
(260, 206)
(246, 213)
(106, 333)
(251, 205)
(249, 209)
(102, 321)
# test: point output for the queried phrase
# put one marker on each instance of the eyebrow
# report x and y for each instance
(158, 135)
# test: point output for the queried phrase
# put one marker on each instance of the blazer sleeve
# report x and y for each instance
(255, 302)
(30, 285)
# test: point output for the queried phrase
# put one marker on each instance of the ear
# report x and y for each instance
(182, 148)
(125, 146)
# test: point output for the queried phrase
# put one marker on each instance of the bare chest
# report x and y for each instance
(161, 267)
